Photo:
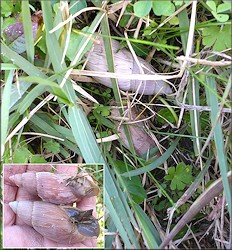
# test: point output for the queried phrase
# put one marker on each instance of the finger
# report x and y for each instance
(12, 169)
(40, 168)
(10, 191)
(24, 236)
(71, 169)
(8, 215)
(56, 168)
(87, 204)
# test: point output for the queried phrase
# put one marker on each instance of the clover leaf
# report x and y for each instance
(142, 8)
(180, 177)
(219, 37)
(52, 147)
(165, 8)
(218, 10)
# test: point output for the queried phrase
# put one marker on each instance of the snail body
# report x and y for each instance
(124, 64)
(63, 224)
(56, 188)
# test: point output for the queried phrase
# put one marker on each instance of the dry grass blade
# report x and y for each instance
(214, 190)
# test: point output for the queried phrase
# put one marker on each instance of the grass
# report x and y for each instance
(41, 103)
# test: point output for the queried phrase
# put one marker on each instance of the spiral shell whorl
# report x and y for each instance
(54, 223)
(124, 63)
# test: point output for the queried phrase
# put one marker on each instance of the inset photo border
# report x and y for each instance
(53, 205)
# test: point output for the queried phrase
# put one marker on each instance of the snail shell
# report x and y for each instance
(124, 64)
(62, 224)
(141, 140)
(56, 188)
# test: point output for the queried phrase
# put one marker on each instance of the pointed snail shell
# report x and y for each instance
(56, 188)
(124, 64)
(62, 224)
(142, 142)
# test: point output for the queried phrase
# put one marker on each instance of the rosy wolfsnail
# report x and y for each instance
(56, 188)
(63, 224)
(142, 142)
(124, 63)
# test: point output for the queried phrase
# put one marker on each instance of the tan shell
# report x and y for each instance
(55, 223)
(56, 188)
(125, 64)
(141, 140)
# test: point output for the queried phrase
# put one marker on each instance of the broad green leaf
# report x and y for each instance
(75, 43)
(21, 62)
(224, 7)
(167, 114)
(21, 155)
(52, 147)
(142, 8)
(221, 17)
(218, 37)
(37, 159)
(163, 8)
(180, 177)
(6, 8)
(133, 185)
(8, 21)
(184, 26)
(212, 5)
(42, 43)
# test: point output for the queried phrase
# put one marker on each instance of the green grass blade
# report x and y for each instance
(210, 193)
(5, 107)
(30, 97)
(53, 47)
(156, 163)
(17, 91)
(55, 89)
(218, 138)
(84, 135)
(27, 27)
(86, 141)
(8, 66)
(184, 25)
(194, 99)
(110, 62)
(119, 210)
(33, 94)
(31, 70)
(21, 62)
(148, 230)
(111, 205)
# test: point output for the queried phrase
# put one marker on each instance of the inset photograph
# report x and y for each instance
(49, 205)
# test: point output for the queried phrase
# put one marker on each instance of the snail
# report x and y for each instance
(142, 142)
(62, 224)
(124, 63)
(56, 188)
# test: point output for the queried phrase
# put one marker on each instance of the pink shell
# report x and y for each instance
(55, 188)
(141, 140)
(51, 221)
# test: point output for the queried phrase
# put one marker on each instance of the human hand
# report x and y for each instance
(16, 232)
